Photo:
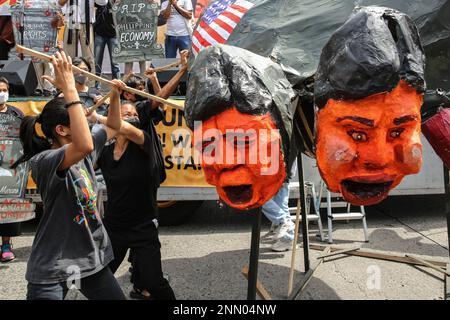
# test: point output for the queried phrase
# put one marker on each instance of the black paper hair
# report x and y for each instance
(224, 76)
(369, 54)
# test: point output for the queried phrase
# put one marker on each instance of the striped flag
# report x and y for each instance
(218, 22)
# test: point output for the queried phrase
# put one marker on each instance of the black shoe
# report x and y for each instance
(137, 294)
(37, 92)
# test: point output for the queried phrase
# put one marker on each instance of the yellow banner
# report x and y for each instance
(182, 169)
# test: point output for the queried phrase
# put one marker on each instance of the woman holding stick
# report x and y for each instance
(132, 175)
(71, 246)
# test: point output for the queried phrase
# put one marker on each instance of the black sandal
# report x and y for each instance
(137, 294)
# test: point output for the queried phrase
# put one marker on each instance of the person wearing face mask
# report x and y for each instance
(8, 230)
(149, 111)
(132, 175)
(88, 95)
(71, 238)
(4, 96)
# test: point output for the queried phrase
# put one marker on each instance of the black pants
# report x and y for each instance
(99, 286)
(10, 229)
(146, 260)
(4, 50)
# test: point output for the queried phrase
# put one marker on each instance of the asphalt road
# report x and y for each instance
(204, 257)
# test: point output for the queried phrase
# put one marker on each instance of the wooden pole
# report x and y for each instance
(307, 278)
(99, 103)
(428, 264)
(260, 289)
(294, 248)
(304, 210)
(337, 253)
(254, 256)
(103, 99)
(172, 65)
(447, 209)
(447, 284)
(381, 255)
(447, 201)
(36, 54)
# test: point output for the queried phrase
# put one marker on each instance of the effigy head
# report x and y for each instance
(368, 93)
(239, 106)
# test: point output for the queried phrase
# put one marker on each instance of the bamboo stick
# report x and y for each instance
(172, 65)
(36, 54)
(99, 103)
(103, 99)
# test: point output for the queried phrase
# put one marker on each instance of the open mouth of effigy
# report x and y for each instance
(366, 190)
(240, 193)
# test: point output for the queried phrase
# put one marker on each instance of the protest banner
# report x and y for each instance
(13, 208)
(136, 29)
(36, 24)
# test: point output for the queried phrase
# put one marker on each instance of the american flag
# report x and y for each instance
(218, 22)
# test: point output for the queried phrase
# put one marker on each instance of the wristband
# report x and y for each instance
(68, 105)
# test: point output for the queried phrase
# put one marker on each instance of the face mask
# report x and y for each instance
(80, 79)
(4, 96)
(134, 122)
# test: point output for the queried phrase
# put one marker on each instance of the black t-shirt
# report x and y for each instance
(131, 185)
(146, 115)
(104, 23)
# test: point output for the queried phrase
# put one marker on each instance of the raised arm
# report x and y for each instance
(151, 74)
(166, 12)
(170, 86)
(114, 115)
(185, 13)
(81, 144)
(114, 123)
(131, 132)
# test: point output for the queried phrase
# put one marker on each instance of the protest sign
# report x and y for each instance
(36, 25)
(136, 29)
(13, 208)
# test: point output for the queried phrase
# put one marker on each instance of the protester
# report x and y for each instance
(149, 110)
(88, 95)
(6, 32)
(71, 242)
(4, 97)
(282, 229)
(142, 67)
(178, 14)
(42, 68)
(8, 230)
(44, 87)
(132, 175)
(105, 35)
(79, 27)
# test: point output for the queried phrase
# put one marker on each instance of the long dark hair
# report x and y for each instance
(53, 114)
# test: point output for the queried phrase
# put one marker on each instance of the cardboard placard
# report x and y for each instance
(16, 210)
(12, 182)
(136, 29)
(36, 25)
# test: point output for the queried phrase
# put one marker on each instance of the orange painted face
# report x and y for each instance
(366, 147)
(241, 155)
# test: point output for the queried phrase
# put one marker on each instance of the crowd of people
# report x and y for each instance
(77, 141)
(88, 31)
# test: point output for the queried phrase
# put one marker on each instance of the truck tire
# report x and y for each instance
(174, 213)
